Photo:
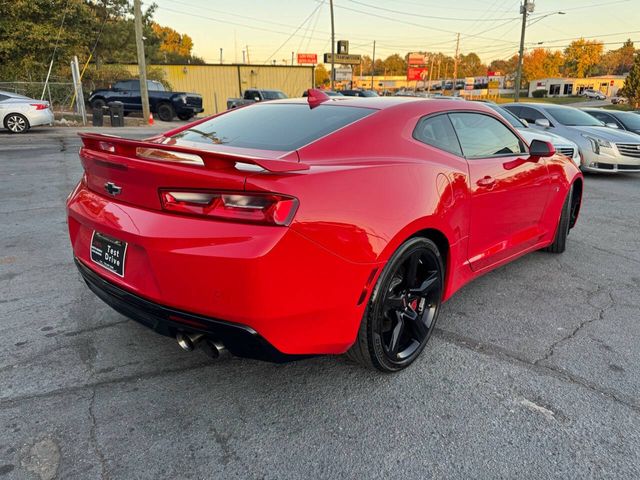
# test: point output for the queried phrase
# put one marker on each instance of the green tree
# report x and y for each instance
(631, 88)
(394, 65)
(582, 57)
(470, 65)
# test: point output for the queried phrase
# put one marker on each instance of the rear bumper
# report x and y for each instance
(41, 117)
(298, 296)
(240, 340)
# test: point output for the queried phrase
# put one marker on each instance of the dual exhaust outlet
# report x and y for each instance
(190, 341)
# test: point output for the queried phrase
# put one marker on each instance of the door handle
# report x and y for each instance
(486, 182)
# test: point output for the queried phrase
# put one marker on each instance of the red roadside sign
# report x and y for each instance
(417, 73)
(307, 58)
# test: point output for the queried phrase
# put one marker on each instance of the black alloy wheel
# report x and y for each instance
(403, 308)
(166, 112)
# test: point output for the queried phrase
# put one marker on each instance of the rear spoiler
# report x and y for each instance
(150, 150)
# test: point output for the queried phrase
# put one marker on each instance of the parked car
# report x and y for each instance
(602, 149)
(19, 113)
(359, 93)
(331, 93)
(263, 229)
(562, 145)
(593, 94)
(167, 105)
(623, 120)
(253, 95)
(618, 100)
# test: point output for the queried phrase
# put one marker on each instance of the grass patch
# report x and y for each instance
(620, 106)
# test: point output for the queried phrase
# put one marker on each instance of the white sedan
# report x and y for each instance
(19, 113)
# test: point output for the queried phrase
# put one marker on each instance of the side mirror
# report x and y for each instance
(543, 122)
(539, 148)
(257, 99)
(611, 125)
(526, 124)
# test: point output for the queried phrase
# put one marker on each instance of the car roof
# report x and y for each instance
(383, 103)
(13, 95)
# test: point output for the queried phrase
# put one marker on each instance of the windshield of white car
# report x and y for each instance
(572, 117)
(509, 117)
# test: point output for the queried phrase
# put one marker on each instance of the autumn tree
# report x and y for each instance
(618, 61)
(541, 63)
(505, 67)
(581, 57)
(631, 88)
(322, 78)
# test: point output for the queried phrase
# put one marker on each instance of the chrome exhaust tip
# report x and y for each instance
(213, 348)
(189, 341)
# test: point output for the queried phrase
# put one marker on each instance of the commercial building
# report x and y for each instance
(562, 87)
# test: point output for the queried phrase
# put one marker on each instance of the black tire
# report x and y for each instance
(166, 113)
(98, 103)
(409, 289)
(185, 116)
(559, 244)
(16, 123)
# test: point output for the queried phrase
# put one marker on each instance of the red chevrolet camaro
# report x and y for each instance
(314, 226)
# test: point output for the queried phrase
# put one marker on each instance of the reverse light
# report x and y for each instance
(260, 208)
(40, 106)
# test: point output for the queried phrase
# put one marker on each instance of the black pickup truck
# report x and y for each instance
(161, 102)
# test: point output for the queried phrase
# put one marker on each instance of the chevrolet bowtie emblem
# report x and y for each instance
(112, 188)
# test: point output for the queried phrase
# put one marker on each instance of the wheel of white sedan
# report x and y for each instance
(16, 123)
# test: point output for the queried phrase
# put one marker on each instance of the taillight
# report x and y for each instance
(40, 106)
(261, 208)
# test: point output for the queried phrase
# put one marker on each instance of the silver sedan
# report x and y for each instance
(19, 113)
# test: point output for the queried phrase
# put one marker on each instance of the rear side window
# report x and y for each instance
(268, 126)
(3, 97)
(483, 136)
(438, 132)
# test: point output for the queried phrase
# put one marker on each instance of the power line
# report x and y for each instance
(432, 17)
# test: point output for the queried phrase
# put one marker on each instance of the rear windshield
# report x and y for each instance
(269, 126)
(273, 95)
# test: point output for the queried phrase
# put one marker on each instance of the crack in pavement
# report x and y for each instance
(600, 316)
(495, 351)
(104, 472)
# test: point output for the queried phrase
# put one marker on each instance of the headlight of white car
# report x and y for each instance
(597, 143)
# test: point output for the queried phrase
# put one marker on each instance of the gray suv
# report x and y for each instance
(602, 149)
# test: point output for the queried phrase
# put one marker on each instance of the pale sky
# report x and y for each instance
(272, 29)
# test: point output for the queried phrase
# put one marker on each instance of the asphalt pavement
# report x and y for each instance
(532, 373)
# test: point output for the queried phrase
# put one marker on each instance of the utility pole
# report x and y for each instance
(292, 59)
(430, 74)
(333, 46)
(455, 65)
(248, 59)
(525, 9)
(221, 56)
(373, 63)
(142, 64)
(244, 58)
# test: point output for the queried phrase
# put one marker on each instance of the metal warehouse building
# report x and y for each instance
(562, 87)
(216, 83)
